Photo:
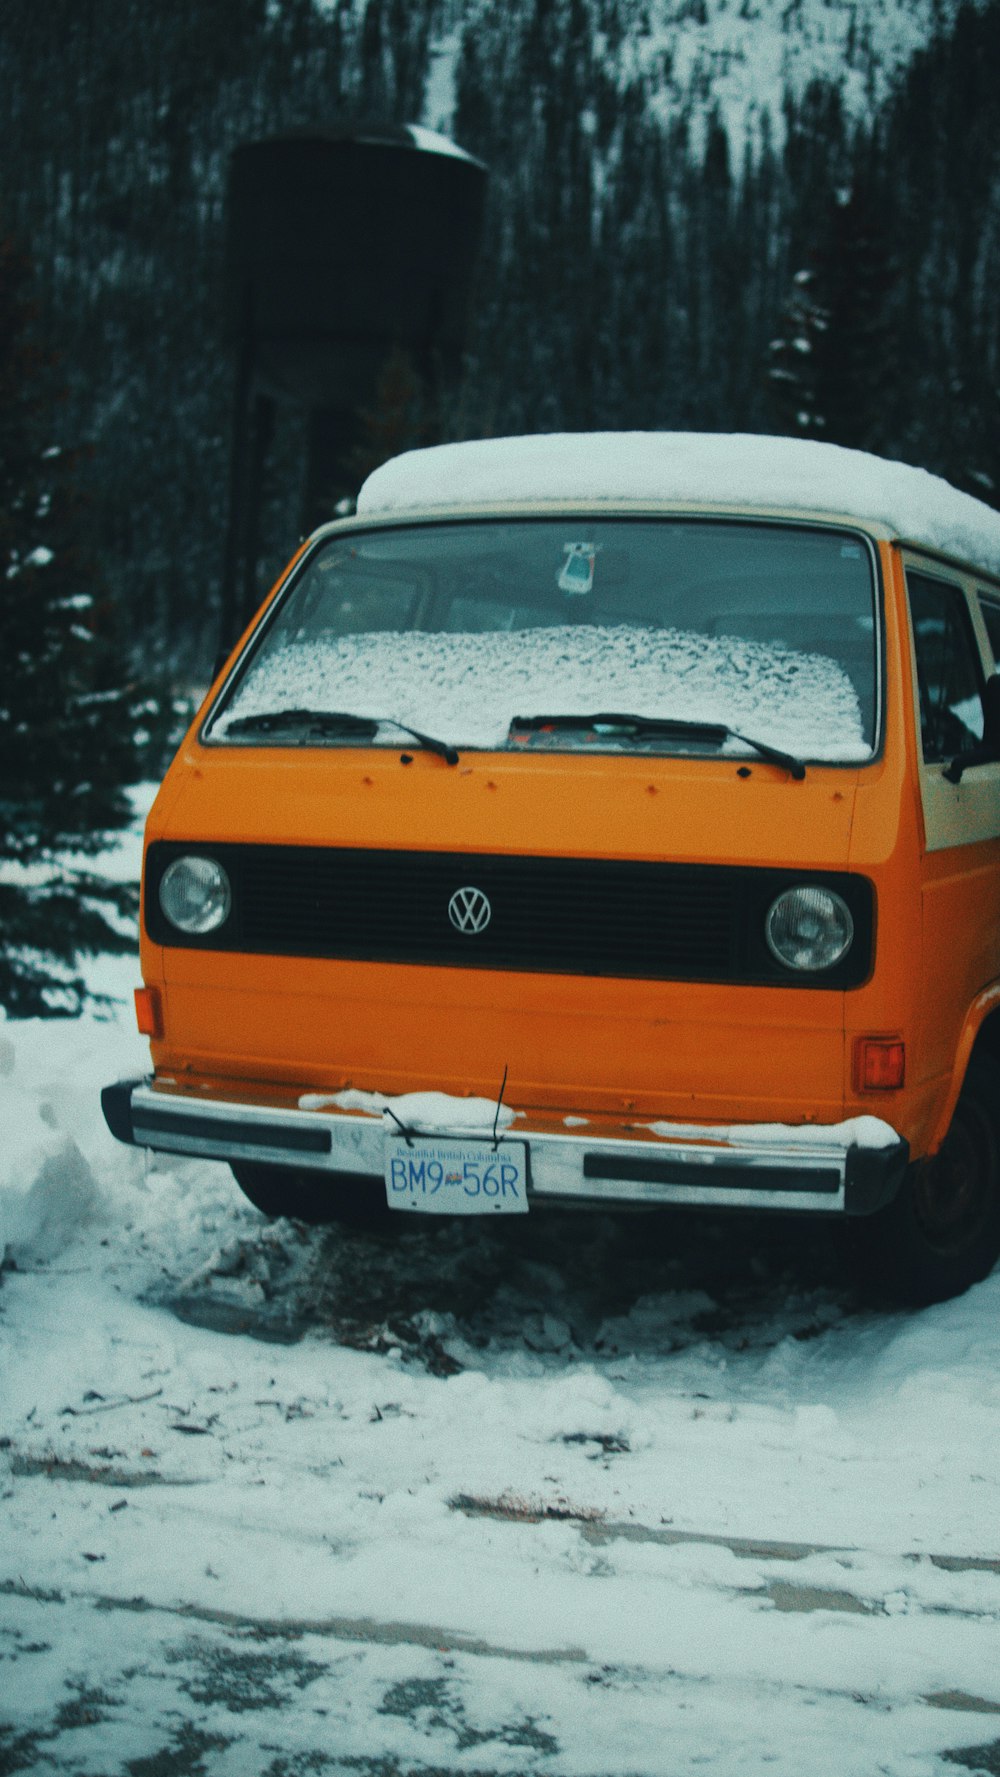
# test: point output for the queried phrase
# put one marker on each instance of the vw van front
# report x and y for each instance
(555, 834)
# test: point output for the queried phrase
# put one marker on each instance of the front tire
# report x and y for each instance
(320, 1199)
(942, 1232)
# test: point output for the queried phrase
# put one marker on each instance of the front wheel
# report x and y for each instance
(318, 1198)
(942, 1232)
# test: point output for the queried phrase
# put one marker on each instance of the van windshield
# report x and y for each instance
(475, 632)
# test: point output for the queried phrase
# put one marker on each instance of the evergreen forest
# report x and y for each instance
(834, 274)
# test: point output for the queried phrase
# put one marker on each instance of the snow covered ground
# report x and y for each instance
(588, 1497)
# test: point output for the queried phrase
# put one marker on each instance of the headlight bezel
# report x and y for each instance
(810, 953)
(217, 892)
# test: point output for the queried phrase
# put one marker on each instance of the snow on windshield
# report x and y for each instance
(467, 688)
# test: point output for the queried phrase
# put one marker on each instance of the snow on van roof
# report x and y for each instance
(700, 468)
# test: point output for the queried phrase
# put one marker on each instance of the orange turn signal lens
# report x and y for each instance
(148, 1012)
(879, 1064)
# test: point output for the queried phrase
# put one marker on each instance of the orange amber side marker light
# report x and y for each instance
(879, 1064)
(148, 1012)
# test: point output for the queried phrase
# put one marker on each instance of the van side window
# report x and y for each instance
(990, 608)
(949, 675)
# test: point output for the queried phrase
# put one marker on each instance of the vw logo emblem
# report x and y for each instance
(469, 911)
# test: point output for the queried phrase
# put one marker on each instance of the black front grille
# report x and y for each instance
(586, 916)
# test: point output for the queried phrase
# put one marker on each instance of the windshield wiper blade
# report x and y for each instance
(322, 721)
(336, 722)
(634, 724)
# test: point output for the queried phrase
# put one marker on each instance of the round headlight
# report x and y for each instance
(195, 895)
(809, 928)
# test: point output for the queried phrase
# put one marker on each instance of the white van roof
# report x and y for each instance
(734, 471)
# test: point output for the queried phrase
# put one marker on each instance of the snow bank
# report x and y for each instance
(691, 468)
(48, 1191)
(466, 689)
(47, 1194)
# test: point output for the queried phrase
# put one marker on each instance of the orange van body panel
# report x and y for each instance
(958, 979)
(983, 1006)
(886, 845)
(570, 1045)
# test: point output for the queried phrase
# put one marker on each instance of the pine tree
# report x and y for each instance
(66, 726)
(794, 358)
(835, 369)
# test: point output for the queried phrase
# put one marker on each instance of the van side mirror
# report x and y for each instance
(988, 750)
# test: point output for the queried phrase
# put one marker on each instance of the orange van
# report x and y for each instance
(600, 819)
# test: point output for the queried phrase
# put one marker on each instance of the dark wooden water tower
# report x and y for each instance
(344, 248)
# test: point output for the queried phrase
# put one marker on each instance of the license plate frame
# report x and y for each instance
(456, 1175)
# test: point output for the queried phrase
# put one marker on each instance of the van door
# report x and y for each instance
(961, 874)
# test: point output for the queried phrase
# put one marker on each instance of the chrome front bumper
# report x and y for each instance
(744, 1170)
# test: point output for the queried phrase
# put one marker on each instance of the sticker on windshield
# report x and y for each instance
(576, 576)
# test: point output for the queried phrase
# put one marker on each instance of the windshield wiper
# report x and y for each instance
(322, 721)
(334, 724)
(613, 719)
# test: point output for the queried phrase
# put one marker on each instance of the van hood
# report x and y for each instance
(705, 810)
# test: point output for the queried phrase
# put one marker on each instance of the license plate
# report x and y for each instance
(457, 1178)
